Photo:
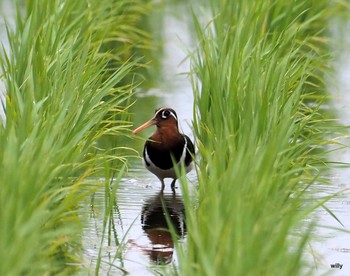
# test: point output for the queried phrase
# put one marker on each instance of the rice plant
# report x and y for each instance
(65, 88)
(257, 78)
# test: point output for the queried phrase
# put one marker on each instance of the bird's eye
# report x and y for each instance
(165, 114)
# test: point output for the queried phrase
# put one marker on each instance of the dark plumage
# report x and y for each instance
(166, 144)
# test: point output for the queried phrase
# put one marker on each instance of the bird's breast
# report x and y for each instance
(161, 154)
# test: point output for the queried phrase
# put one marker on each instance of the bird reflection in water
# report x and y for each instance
(155, 225)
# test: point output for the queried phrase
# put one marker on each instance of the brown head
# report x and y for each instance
(164, 118)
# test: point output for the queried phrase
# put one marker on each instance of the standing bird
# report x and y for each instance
(165, 145)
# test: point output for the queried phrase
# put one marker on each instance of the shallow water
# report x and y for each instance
(137, 221)
(331, 245)
(330, 251)
(138, 215)
(333, 249)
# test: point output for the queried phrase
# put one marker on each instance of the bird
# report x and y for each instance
(166, 147)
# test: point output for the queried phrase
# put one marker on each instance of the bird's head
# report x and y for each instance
(163, 118)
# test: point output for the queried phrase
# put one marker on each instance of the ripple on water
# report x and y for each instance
(138, 236)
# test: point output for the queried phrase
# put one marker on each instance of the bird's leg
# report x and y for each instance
(173, 185)
(163, 185)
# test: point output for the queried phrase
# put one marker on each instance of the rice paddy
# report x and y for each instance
(72, 73)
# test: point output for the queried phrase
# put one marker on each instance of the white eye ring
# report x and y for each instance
(166, 113)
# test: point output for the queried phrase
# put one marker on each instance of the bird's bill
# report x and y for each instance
(145, 125)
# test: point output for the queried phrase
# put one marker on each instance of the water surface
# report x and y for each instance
(332, 251)
(137, 240)
(139, 218)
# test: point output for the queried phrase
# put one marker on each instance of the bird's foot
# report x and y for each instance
(173, 185)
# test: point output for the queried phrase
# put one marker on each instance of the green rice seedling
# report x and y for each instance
(258, 65)
(62, 85)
